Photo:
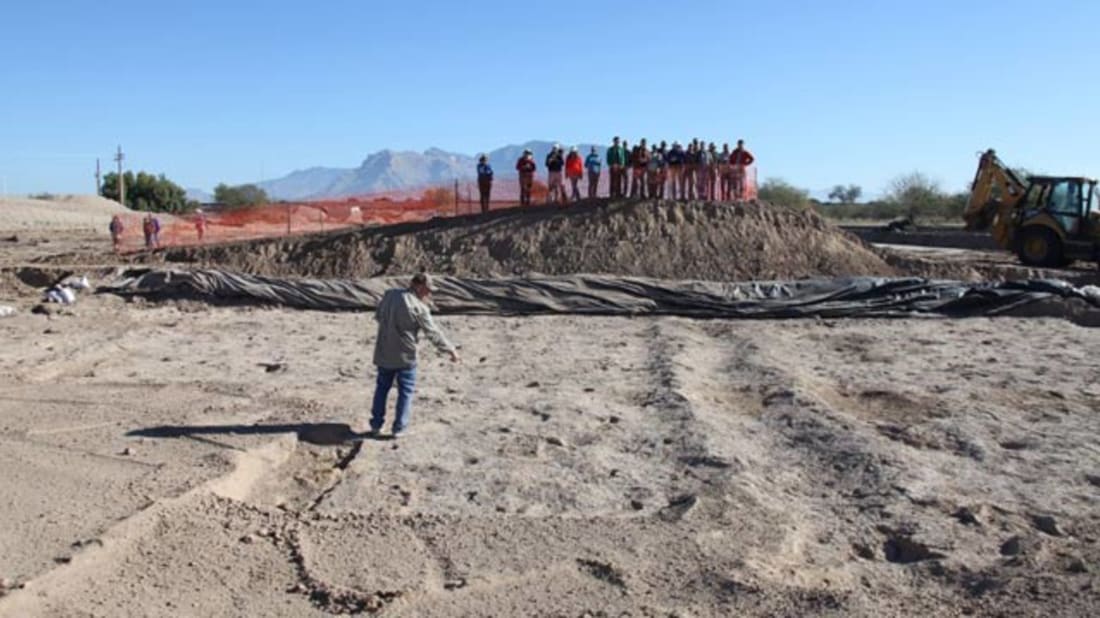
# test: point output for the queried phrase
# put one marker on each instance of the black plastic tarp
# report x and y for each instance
(612, 295)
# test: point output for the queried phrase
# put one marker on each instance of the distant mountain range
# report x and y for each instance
(393, 171)
(199, 195)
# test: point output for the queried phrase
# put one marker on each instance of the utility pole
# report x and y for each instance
(121, 181)
(98, 183)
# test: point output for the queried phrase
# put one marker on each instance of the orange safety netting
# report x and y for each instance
(217, 225)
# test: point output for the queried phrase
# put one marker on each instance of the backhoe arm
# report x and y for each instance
(996, 189)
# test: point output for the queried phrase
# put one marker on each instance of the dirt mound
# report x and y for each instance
(664, 240)
(70, 212)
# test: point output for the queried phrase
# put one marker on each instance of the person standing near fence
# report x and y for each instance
(592, 164)
(526, 168)
(116, 229)
(484, 181)
(725, 175)
(740, 160)
(574, 171)
(200, 223)
(401, 315)
(147, 230)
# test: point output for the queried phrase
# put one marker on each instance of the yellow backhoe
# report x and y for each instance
(1046, 221)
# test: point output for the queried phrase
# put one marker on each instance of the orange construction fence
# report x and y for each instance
(213, 224)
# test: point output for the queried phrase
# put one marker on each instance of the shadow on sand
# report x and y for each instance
(323, 434)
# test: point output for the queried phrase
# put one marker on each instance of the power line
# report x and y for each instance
(121, 181)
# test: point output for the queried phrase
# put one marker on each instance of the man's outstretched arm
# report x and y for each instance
(434, 334)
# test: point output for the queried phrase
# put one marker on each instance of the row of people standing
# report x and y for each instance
(699, 171)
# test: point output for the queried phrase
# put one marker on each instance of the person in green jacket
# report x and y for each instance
(616, 164)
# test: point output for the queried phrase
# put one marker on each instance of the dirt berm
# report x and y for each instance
(664, 240)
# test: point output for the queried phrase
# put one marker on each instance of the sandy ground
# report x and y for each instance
(181, 460)
(89, 213)
(166, 460)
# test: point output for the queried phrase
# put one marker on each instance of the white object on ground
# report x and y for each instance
(6, 311)
(61, 294)
(78, 284)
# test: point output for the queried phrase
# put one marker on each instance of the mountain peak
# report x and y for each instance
(390, 170)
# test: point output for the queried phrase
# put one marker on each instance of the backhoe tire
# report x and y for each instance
(1040, 246)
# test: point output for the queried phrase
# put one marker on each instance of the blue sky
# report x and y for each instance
(824, 92)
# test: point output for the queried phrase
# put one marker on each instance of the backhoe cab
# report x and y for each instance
(1049, 221)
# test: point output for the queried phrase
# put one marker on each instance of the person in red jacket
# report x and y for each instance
(740, 160)
(200, 223)
(526, 167)
(574, 171)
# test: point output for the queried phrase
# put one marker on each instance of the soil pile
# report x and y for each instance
(664, 240)
(70, 212)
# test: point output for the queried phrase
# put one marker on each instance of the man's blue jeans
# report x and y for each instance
(406, 384)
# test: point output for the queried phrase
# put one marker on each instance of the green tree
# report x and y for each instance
(239, 195)
(837, 194)
(917, 195)
(845, 195)
(148, 192)
(783, 193)
(852, 194)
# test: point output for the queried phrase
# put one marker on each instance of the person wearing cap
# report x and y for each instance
(592, 164)
(401, 315)
(616, 162)
(740, 160)
(526, 167)
(555, 161)
(574, 171)
(484, 181)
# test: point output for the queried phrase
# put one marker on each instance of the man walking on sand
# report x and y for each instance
(401, 314)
